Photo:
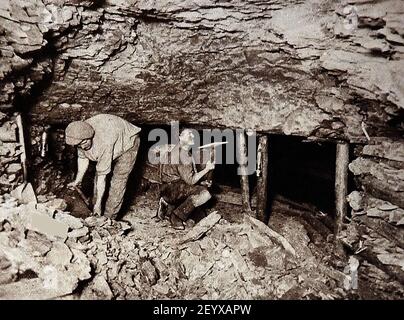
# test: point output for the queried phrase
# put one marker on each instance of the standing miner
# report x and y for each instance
(179, 179)
(113, 143)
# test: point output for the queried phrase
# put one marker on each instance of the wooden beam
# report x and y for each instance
(175, 132)
(243, 161)
(23, 156)
(341, 184)
(262, 174)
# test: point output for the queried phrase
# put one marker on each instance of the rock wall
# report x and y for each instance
(314, 68)
(52, 162)
(379, 174)
(48, 169)
(10, 164)
(376, 229)
(379, 169)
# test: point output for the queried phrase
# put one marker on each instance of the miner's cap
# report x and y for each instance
(78, 131)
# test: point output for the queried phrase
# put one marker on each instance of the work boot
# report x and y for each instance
(176, 223)
(164, 210)
(184, 209)
(181, 214)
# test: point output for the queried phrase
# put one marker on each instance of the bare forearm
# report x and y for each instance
(82, 166)
(100, 189)
(198, 176)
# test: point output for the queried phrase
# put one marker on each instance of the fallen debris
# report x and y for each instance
(34, 254)
(24, 194)
(59, 255)
(201, 228)
(29, 289)
(272, 234)
(46, 225)
(137, 259)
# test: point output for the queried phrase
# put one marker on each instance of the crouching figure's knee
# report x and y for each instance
(201, 198)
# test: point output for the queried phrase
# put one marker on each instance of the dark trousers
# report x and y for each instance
(178, 191)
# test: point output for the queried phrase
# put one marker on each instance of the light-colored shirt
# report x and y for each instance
(177, 164)
(113, 137)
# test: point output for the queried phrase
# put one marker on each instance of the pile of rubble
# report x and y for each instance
(45, 252)
(213, 259)
(40, 251)
(376, 233)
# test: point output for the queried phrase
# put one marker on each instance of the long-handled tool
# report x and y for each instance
(83, 197)
(213, 144)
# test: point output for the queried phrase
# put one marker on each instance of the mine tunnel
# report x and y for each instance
(300, 179)
(300, 171)
(304, 171)
(300, 191)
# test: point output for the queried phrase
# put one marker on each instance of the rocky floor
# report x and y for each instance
(225, 255)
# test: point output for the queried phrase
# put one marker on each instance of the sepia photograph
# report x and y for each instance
(201, 150)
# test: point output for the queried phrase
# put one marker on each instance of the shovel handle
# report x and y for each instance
(82, 196)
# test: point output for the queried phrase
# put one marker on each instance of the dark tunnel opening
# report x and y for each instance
(303, 172)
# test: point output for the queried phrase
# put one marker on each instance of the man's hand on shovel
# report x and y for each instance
(72, 185)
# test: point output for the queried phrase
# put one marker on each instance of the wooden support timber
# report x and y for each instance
(243, 161)
(341, 184)
(262, 175)
(23, 156)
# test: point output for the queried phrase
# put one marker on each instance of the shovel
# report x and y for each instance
(79, 204)
(83, 197)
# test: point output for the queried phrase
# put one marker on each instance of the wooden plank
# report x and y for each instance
(341, 184)
(23, 155)
(262, 183)
(243, 161)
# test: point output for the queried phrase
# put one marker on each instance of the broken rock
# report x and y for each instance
(387, 206)
(78, 233)
(4, 263)
(80, 265)
(28, 289)
(202, 227)
(376, 213)
(59, 280)
(7, 276)
(261, 227)
(36, 244)
(392, 259)
(98, 288)
(73, 222)
(48, 226)
(57, 204)
(60, 255)
(396, 216)
(355, 200)
(13, 168)
(149, 272)
(24, 194)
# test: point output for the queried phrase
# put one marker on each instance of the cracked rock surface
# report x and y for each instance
(313, 68)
